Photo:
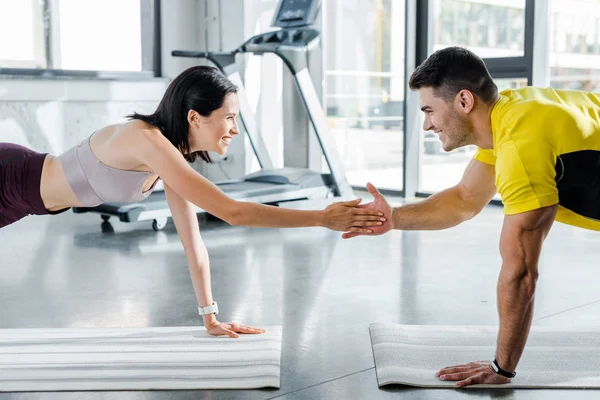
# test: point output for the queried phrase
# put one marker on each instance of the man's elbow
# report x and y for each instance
(476, 205)
(529, 283)
(472, 204)
(526, 281)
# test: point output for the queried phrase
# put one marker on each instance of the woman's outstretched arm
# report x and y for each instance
(164, 159)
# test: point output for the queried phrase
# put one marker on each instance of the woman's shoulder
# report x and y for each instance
(138, 131)
(143, 139)
(137, 126)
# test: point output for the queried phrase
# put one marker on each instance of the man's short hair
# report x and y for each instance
(452, 69)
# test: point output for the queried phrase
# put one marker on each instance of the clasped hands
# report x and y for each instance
(355, 219)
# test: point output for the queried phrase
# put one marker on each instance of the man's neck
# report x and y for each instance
(482, 126)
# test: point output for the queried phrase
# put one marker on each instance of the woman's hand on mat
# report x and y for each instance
(231, 329)
(379, 203)
(348, 216)
(471, 374)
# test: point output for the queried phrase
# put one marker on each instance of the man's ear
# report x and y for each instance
(465, 101)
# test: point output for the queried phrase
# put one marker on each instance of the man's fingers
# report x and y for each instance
(452, 369)
(457, 376)
(349, 235)
(373, 190)
(472, 380)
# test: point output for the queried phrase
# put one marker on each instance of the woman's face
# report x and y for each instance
(214, 133)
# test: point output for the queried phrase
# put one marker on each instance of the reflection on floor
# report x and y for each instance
(64, 271)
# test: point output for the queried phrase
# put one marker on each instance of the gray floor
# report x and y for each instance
(64, 271)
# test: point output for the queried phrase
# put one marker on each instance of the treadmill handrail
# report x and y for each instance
(221, 59)
(198, 54)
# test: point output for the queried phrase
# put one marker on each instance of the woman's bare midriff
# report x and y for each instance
(54, 188)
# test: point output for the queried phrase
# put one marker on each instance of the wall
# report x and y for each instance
(51, 115)
(54, 115)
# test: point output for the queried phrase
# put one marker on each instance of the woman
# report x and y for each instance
(123, 163)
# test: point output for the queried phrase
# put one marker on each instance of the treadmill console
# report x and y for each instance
(294, 17)
(296, 13)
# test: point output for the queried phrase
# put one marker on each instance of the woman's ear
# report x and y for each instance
(193, 118)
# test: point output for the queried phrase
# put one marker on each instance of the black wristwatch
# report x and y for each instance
(502, 372)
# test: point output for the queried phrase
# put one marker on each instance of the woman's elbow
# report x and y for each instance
(235, 215)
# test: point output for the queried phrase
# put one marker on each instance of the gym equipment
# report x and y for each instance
(269, 185)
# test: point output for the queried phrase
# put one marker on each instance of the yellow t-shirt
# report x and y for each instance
(547, 151)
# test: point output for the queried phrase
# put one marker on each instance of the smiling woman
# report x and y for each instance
(123, 162)
(198, 92)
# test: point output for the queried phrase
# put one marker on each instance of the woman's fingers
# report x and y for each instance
(367, 211)
(362, 217)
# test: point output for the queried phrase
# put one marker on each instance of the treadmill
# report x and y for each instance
(268, 185)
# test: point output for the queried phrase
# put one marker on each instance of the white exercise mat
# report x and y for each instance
(553, 358)
(136, 359)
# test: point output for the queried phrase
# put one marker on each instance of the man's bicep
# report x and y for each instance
(477, 185)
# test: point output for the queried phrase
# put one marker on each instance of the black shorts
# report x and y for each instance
(20, 176)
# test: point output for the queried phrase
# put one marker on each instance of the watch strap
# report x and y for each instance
(212, 309)
(502, 372)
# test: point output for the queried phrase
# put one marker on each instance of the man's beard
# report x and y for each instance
(461, 132)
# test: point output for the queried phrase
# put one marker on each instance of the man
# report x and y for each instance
(539, 148)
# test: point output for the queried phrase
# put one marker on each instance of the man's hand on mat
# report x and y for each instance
(231, 329)
(471, 374)
(379, 203)
(348, 216)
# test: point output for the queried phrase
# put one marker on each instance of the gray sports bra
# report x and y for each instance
(95, 183)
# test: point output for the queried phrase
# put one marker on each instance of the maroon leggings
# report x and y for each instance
(20, 176)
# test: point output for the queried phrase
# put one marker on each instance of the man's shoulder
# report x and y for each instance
(532, 108)
(547, 99)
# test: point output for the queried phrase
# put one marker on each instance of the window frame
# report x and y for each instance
(151, 52)
(499, 68)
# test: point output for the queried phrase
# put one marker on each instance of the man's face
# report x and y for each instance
(445, 118)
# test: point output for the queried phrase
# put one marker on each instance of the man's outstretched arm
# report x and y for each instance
(443, 210)
(452, 206)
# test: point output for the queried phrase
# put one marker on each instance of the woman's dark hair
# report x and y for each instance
(450, 70)
(200, 88)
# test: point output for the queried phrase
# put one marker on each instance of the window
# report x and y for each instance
(21, 34)
(103, 35)
(489, 28)
(440, 169)
(74, 35)
(574, 45)
(364, 87)
(501, 33)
